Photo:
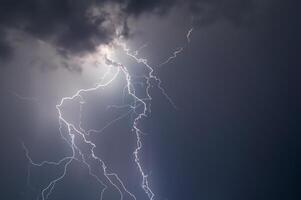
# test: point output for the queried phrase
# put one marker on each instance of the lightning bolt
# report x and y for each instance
(188, 34)
(89, 157)
(175, 53)
(24, 98)
(178, 51)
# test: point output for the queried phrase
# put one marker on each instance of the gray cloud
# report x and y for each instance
(5, 49)
(77, 26)
(209, 11)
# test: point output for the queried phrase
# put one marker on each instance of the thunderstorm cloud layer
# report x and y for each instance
(79, 26)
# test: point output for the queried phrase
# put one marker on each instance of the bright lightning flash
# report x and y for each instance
(89, 158)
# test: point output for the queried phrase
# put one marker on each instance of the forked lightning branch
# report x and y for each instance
(70, 131)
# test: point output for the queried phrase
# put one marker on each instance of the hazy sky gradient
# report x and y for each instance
(233, 136)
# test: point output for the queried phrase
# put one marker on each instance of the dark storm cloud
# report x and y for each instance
(137, 7)
(63, 22)
(68, 26)
(209, 11)
(5, 49)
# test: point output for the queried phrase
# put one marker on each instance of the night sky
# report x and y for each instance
(232, 133)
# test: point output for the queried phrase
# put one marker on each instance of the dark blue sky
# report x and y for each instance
(234, 135)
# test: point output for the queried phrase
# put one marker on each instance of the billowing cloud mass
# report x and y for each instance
(78, 26)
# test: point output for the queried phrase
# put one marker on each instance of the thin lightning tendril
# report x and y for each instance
(76, 131)
(178, 50)
(189, 34)
(175, 53)
(24, 98)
